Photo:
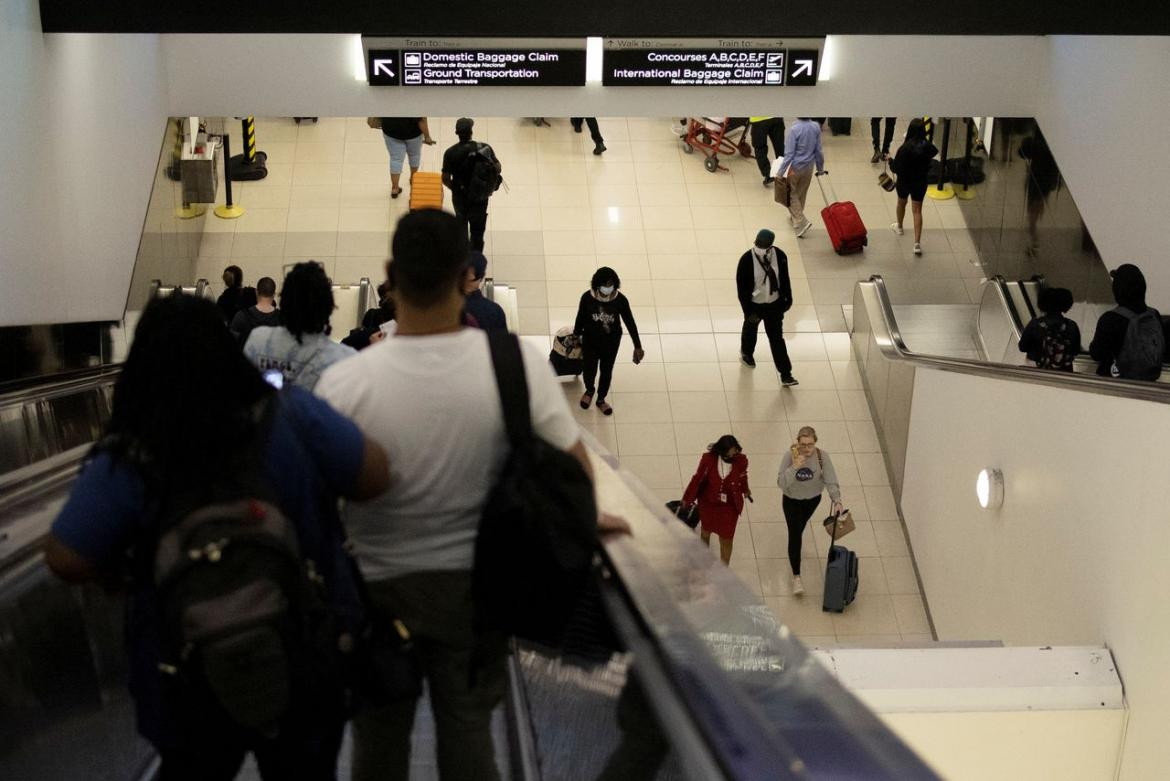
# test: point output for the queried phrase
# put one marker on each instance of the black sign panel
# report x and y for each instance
(711, 67)
(382, 68)
(802, 67)
(477, 67)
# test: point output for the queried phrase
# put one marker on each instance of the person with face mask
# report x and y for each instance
(719, 486)
(600, 315)
(765, 294)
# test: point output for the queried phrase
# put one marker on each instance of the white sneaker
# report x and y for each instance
(803, 229)
(917, 248)
(896, 228)
(797, 586)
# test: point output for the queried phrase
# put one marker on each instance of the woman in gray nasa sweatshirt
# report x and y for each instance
(805, 472)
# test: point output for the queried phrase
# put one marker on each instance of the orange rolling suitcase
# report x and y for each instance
(426, 191)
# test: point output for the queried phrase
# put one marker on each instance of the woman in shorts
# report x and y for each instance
(912, 166)
(404, 137)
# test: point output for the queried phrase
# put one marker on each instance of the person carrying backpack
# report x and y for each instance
(472, 172)
(1129, 342)
(419, 545)
(215, 499)
(1052, 341)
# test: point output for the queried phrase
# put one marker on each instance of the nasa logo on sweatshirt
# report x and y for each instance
(804, 473)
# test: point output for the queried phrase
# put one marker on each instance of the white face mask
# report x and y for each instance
(606, 290)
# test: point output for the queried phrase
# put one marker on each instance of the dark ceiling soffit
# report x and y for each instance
(624, 18)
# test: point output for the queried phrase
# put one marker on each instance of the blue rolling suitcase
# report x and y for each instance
(841, 577)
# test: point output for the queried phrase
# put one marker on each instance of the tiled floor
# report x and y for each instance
(674, 233)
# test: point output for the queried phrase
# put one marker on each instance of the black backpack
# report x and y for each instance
(243, 615)
(1144, 346)
(1057, 350)
(538, 534)
(480, 174)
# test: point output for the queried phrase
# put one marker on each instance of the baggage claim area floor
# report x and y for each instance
(674, 233)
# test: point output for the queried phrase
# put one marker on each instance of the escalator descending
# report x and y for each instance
(731, 692)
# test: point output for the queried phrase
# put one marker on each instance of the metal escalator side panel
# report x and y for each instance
(65, 711)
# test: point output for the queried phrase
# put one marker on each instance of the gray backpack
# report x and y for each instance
(1145, 344)
(243, 612)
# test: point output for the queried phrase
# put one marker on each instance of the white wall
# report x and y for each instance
(81, 123)
(73, 209)
(1105, 110)
(1078, 552)
(304, 75)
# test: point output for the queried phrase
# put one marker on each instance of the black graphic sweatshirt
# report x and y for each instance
(600, 322)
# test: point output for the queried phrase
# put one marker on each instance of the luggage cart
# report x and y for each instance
(713, 135)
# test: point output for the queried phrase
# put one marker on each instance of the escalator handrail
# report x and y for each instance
(893, 347)
(1009, 305)
(60, 384)
(683, 704)
(1033, 311)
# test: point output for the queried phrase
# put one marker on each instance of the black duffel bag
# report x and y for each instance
(533, 571)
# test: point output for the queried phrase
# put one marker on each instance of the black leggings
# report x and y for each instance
(603, 354)
(796, 515)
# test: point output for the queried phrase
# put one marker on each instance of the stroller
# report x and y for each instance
(713, 135)
(566, 353)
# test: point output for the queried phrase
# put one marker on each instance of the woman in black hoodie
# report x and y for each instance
(1142, 358)
(599, 324)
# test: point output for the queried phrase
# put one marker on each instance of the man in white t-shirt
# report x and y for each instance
(428, 396)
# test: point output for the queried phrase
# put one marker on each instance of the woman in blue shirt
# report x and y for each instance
(184, 423)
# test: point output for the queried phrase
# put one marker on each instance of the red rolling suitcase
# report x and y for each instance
(846, 230)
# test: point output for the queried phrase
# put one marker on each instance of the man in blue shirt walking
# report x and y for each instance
(803, 148)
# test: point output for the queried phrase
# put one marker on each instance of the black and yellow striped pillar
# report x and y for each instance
(248, 125)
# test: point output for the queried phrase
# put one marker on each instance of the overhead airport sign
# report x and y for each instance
(428, 62)
(719, 62)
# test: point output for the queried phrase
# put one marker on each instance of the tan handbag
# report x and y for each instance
(842, 523)
(375, 123)
(781, 192)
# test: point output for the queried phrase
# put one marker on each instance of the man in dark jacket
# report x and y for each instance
(487, 314)
(1129, 290)
(765, 294)
(263, 312)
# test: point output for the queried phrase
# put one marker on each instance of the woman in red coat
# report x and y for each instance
(720, 485)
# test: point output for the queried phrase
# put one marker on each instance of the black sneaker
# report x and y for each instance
(787, 380)
(877, 156)
(747, 360)
(768, 180)
(599, 148)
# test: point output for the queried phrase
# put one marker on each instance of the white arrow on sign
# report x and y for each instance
(383, 67)
(803, 66)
